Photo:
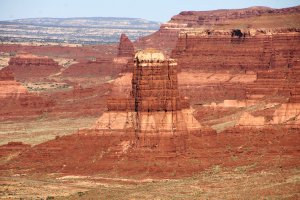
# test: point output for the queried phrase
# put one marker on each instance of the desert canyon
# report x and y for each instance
(207, 107)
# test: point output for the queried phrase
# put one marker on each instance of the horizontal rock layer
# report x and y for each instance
(219, 17)
(36, 67)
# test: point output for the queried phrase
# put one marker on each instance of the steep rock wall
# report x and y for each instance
(206, 50)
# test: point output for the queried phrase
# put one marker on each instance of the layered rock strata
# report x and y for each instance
(9, 88)
(281, 83)
(89, 153)
(31, 66)
(237, 50)
(16, 101)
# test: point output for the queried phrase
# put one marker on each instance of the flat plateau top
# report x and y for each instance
(150, 55)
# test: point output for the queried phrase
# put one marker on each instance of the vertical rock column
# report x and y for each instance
(154, 83)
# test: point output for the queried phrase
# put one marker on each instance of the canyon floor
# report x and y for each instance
(214, 183)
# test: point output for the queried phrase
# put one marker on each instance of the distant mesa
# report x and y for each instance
(223, 16)
(25, 65)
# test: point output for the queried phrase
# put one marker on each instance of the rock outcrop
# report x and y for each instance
(124, 59)
(243, 83)
(126, 48)
(154, 83)
(224, 50)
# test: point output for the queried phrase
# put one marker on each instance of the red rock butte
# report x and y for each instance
(155, 104)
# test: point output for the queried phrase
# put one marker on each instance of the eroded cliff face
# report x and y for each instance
(237, 50)
(16, 101)
(269, 59)
(9, 88)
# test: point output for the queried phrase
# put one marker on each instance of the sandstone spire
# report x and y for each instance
(126, 48)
